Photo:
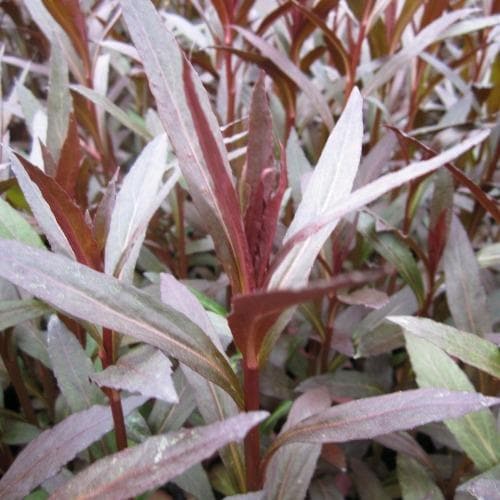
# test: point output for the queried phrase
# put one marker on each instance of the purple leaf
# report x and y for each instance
(371, 417)
(156, 460)
(185, 111)
(71, 366)
(144, 370)
(96, 297)
(47, 453)
(465, 294)
(291, 469)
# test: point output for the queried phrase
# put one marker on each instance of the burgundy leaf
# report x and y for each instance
(193, 130)
(68, 167)
(252, 315)
(46, 454)
(68, 215)
(156, 461)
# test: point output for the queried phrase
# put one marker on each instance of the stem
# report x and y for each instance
(252, 439)
(112, 394)
(10, 361)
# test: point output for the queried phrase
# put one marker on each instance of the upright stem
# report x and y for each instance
(252, 439)
(10, 361)
(112, 394)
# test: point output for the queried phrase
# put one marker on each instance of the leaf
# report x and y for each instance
(70, 17)
(144, 370)
(343, 385)
(426, 37)
(371, 417)
(156, 460)
(415, 481)
(13, 312)
(260, 148)
(393, 250)
(365, 195)
(331, 181)
(488, 256)
(291, 469)
(464, 291)
(67, 214)
(56, 34)
(114, 110)
(486, 485)
(140, 195)
(467, 347)
(213, 403)
(68, 167)
(58, 102)
(89, 295)
(185, 111)
(476, 433)
(43, 457)
(41, 210)
(292, 72)
(13, 226)
(367, 483)
(71, 366)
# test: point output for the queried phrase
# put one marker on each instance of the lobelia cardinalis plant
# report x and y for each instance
(271, 222)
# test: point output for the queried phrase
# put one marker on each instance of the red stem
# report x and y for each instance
(112, 394)
(252, 440)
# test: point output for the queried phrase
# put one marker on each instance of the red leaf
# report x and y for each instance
(252, 315)
(68, 215)
(68, 166)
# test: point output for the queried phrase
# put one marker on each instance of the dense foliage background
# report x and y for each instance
(249, 246)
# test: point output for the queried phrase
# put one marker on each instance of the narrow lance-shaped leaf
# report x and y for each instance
(374, 190)
(486, 485)
(13, 312)
(467, 347)
(476, 433)
(155, 461)
(135, 204)
(52, 449)
(58, 102)
(425, 38)
(464, 291)
(370, 417)
(144, 370)
(213, 403)
(41, 210)
(185, 111)
(331, 182)
(68, 215)
(291, 469)
(89, 295)
(71, 366)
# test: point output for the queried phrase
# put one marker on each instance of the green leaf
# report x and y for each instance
(92, 296)
(393, 250)
(467, 347)
(13, 226)
(416, 482)
(476, 433)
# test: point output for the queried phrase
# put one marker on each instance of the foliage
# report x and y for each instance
(248, 249)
